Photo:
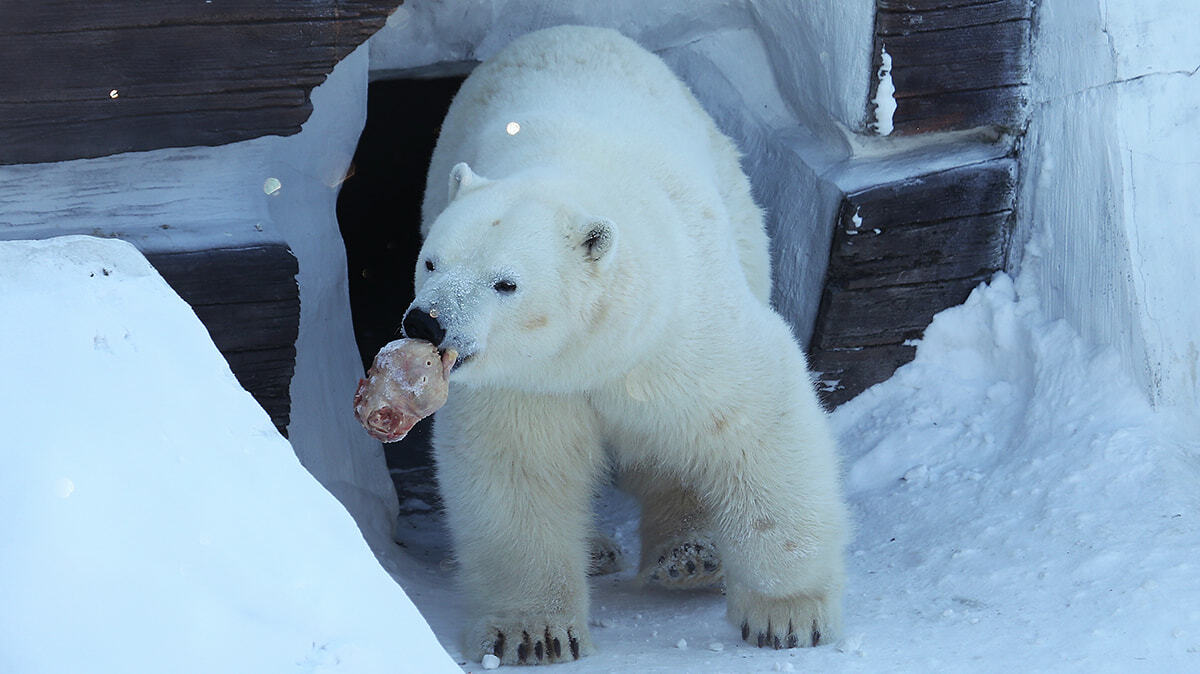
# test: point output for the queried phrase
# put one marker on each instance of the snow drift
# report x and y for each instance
(153, 519)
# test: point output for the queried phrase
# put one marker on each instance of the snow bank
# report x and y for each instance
(154, 520)
(1021, 506)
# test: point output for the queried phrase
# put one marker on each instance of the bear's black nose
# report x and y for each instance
(419, 324)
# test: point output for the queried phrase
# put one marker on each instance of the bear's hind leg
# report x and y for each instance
(677, 547)
(605, 555)
(517, 473)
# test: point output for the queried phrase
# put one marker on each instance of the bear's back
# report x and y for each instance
(578, 90)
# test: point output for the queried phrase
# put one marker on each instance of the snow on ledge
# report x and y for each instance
(154, 520)
(885, 96)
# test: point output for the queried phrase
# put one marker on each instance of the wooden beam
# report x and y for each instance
(956, 64)
(844, 373)
(902, 252)
(88, 79)
(248, 299)
(886, 315)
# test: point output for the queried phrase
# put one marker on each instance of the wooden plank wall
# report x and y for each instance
(956, 64)
(901, 253)
(248, 300)
(905, 250)
(88, 79)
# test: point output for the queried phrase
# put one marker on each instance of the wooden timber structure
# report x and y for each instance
(928, 240)
(90, 79)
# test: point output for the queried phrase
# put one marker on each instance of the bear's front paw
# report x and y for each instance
(530, 640)
(784, 622)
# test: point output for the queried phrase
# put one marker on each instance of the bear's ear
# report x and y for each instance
(598, 239)
(462, 177)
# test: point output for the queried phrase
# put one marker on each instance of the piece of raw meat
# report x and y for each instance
(406, 383)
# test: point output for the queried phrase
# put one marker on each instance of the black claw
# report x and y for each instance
(557, 647)
(816, 634)
(523, 649)
(574, 644)
(762, 639)
(498, 647)
(745, 631)
(539, 650)
(691, 566)
(777, 644)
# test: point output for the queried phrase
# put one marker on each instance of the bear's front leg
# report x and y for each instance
(781, 528)
(517, 472)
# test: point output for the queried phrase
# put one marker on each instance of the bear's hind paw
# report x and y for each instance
(605, 556)
(685, 565)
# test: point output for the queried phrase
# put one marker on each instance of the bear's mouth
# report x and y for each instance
(460, 361)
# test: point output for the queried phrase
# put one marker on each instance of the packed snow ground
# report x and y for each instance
(151, 517)
(1019, 508)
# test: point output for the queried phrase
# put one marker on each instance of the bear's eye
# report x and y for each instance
(504, 286)
(429, 265)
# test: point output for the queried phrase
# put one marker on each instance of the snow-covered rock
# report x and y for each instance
(154, 519)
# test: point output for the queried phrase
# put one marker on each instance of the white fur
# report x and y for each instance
(639, 323)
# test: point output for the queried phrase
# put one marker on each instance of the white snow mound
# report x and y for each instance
(1021, 507)
(153, 518)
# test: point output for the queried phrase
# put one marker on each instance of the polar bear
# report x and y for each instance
(601, 268)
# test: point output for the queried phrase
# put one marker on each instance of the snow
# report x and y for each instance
(885, 96)
(154, 519)
(1020, 506)
(816, 56)
(311, 166)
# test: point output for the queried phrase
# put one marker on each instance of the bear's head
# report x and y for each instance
(511, 276)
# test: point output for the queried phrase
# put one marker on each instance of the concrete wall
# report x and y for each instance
(1109, 200)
